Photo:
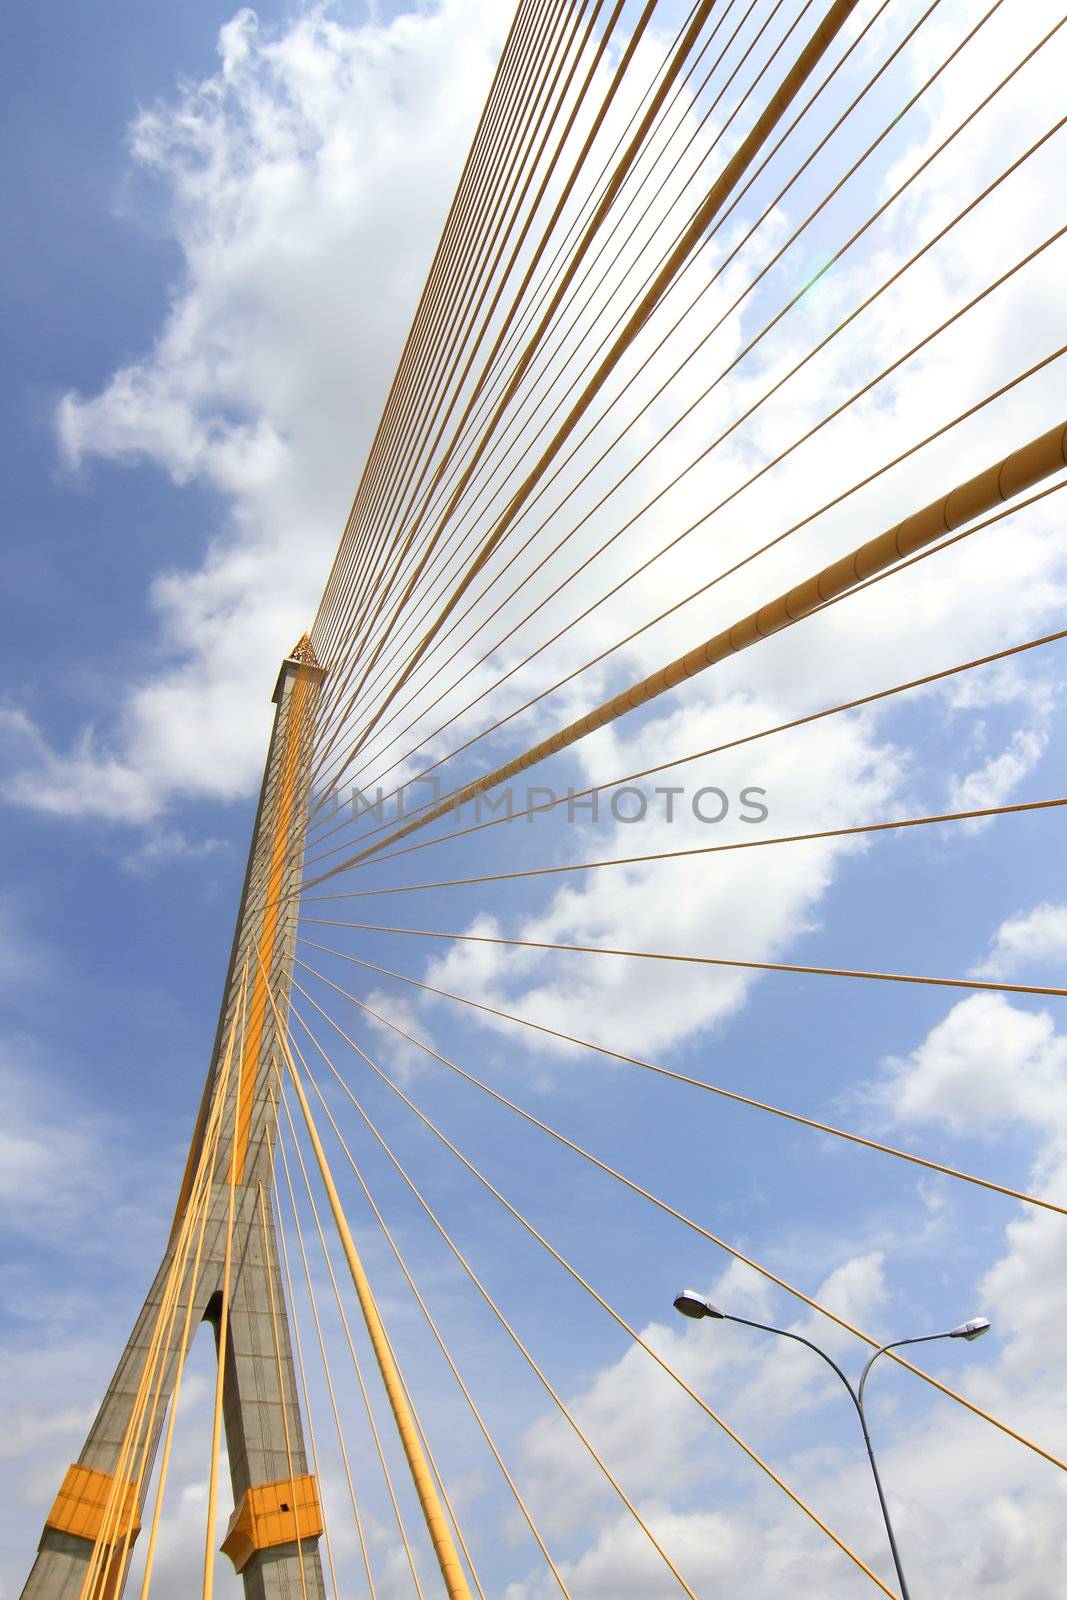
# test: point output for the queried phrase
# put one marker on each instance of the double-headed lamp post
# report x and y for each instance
(691, 1304)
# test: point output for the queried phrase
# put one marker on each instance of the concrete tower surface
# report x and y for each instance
(272, 1536)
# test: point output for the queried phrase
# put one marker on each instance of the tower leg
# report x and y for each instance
(66, 1546)
(272, 1491)
(272, 1537)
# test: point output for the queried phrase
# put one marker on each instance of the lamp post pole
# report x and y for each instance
(696, 1306)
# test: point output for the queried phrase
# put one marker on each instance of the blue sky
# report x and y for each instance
(203, 306)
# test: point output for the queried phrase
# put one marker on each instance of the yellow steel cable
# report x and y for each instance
(213, 1137)
(426, 352)
(469, 668)
(312, 1442)
(930, 157)
(444, 1546)
(574, 795)
(720, 268)
(1047, 36)
(1017, 472)
(200, 1213)
(491, 1303)
(622, 1323)
(485, 386)
(983, 985)
(639, 146)
(644, 152)
(458, 216)
(452, 1572)
(357, 1518)
(416, 445)
(548, 355)
(748, 1261)
(703, 588)
(357, 1365)
(766, 329)
(459, 300)
(815, 836)
(688, 242)
(208, 1585)
(384, 529)
(107, 1560)
(564, 334)
(446, 1353)
(452, 799)
(636, 32)
(103, 1557)
(682, 1077)
(281, 1385)
(457, 1526)
(359, 1372)
(430, 318)
(111, 1544)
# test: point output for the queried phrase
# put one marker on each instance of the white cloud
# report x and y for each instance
(691, 906)
(997, 780)
(1038, 936)
(987, 1063)
(650, 1432)
(386, 1046)
(163, 845)
(305, 183)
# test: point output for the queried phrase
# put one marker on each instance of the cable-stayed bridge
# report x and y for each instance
(714, 407)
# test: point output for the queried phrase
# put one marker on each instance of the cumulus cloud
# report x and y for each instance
(988, 1062)
(304, 183)
(687, 906)
(1030, 937)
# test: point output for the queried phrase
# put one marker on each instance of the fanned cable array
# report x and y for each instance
(718, 478)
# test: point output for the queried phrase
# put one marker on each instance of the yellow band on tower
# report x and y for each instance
(270, 1514)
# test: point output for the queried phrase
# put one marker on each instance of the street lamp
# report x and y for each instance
(694, 1305)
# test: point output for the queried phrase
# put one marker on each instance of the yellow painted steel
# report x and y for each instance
(83, 1498)
(271, 1514)
(1015, 473)
(440, 1534)
(327, 1374)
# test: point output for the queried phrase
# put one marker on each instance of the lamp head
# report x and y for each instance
(973, 1329)
(694, 1305)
